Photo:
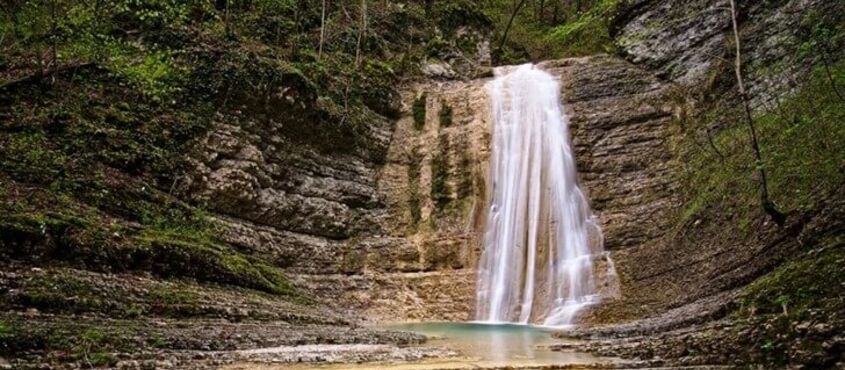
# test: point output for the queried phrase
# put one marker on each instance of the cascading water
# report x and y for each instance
(540, 237)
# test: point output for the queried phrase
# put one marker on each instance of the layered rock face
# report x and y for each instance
(290, 203)
(686, 42)
(620, 131)
(668, 265)
(420, 263)
(399, 240)
(392, 238)
(392, 231)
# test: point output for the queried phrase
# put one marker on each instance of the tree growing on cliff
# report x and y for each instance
(517, 7)
(766, 202)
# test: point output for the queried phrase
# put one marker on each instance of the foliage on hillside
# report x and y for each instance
(102, 101)
(342, 64)
(550, 29)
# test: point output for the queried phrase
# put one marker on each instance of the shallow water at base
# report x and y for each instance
(480, 346)
(497, 344)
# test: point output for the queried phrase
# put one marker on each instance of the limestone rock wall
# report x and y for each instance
(620, 131)
(685, 41)
(388, 231)
(392, 231)
(400, 239)
(685, 45)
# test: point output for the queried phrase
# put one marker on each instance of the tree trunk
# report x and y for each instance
(768, 206)
(361, 31)
(55, 34)
(542, 12)
(322, 31)
(830, 75)
(516, 10)
(226, 20)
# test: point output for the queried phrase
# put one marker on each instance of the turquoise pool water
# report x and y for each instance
(494, 344)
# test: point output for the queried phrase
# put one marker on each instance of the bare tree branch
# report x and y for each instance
(322, 32)
(767, 203)
(361, 31)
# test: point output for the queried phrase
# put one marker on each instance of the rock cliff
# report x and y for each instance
(398, 238)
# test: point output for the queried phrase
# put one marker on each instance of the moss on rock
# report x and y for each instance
(445, 115)
(418, 109)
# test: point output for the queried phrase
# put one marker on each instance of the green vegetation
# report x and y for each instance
(328, 74)
(445, 115)
(414, 167)
(64, 291)
(174, 294)
(419, 111)
(174, 241)
(91, 347)
(799, 132)
(812, 282)
(800, 138)
(81, 343)
(785, 304)
(547, 29)
(209, 262)
(6, 333)
(588, 33)
(465, 173)
(71, 291)
(440, 191)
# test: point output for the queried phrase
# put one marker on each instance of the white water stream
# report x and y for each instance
(540, 236)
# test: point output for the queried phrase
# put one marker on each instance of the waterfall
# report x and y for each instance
(540, 236)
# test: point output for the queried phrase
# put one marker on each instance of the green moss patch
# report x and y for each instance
(208, 262)
(91, 242)
(414, 201)
(466, 174)
(77, 342)
(815, 281)
(441, 192)
(419, 110)
(125, 296)
(445, 115)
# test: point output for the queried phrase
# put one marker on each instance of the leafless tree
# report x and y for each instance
(322, 31)
(362, 29)
(768, 206)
